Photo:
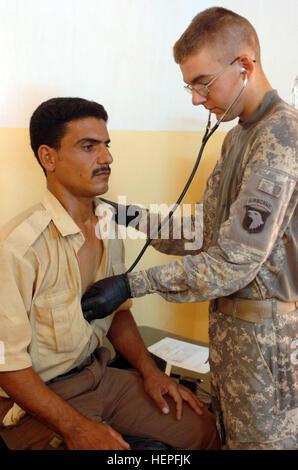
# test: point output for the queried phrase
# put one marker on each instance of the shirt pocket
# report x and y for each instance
(55, 317)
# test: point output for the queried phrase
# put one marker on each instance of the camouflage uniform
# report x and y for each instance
(249, 252)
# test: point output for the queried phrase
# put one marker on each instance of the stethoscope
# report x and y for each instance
(206, 137)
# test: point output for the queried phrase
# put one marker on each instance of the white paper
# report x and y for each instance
(181, 354)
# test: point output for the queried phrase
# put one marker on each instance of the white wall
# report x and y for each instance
(276, 23)
(119, 52)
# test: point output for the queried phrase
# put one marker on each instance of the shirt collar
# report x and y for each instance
(62, 219)
(269, 101)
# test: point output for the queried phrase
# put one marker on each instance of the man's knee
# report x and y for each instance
(206, 437)
(197, 432)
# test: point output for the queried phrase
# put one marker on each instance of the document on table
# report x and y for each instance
(181, 354)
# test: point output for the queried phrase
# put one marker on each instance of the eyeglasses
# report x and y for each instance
(203, 90)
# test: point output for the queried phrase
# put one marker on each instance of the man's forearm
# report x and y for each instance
(27, 389)
(178, 236)
(181, 235)
(126, 339)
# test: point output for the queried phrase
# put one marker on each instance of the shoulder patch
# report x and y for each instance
(255, 219)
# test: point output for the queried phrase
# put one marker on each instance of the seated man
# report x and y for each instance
(59, 390)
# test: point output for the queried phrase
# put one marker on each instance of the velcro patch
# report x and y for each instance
(270, 187)
(254, 219)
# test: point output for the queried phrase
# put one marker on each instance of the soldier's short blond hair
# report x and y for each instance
(219, 27)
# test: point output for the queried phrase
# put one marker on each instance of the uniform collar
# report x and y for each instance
(270, 100)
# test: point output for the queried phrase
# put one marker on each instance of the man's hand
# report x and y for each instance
(157, 384)
(91, 435)
(105, 296)
(126, 339)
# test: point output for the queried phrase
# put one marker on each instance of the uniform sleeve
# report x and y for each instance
(245, 240)
(16, 281)
(181, 235)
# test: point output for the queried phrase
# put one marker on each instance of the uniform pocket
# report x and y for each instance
(62, 327)
(54, 320)
(278, 347)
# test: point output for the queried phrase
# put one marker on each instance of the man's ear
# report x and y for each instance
(47, 158)
(247, 64)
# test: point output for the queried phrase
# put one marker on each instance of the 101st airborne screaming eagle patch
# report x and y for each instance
(254, 219)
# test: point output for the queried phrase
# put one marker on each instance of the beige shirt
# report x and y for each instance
(42, 323)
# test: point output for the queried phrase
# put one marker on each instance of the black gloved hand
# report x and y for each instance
(105, 296)
(125, 214)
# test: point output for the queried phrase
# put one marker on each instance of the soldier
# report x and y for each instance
(247, 266)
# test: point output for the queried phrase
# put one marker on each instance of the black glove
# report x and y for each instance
(105, 296)
(125, 214)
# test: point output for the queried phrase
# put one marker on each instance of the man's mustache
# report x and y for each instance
(100, 169)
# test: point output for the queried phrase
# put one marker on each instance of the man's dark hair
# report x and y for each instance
(48, 123)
